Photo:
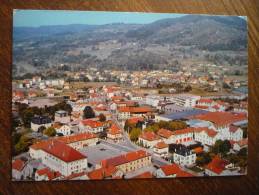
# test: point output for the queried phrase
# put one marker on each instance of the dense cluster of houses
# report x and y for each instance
(61, 157)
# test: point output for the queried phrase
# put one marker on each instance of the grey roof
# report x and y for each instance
(184, 114)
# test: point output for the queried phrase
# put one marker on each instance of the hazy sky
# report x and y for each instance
(34, 18)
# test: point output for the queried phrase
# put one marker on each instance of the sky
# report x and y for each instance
(35, 18)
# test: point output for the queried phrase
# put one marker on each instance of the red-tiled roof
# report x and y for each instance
(198, 150)
(201, 107)
(161, 145)
(174, 169)
(144, 175)
(135, 120)
(114, 129)
(124, 158)
(183, 131)
(206, 101)
(49, 173)
(18, 164)
(59, 149)
(209, 132)
(221, 118)
(77, 137)
(91, 123)
(102, 173)
(143, 109)
(75, 175)
(150, 136)
(217, 165)
(164, 133)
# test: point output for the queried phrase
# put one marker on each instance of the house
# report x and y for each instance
(236, 133)
(148, 139)
(18, 169)
(77, 176)
(59, 157)
(46, 174)
(161, 149)
(172, 108)
(80, 140)
(206, 136)
(165, 135)
(144, 175)
(237, 146)
(217, 167)
(205, 102)
(181, 136)
(225, 123)
(62, 116)
(40, 121)
(185, 100)
(114, 132)
(91, 126)
(171, 171)
(184, 156)
(110, 172)
(62, 129)
(130, 161)
(125, 113)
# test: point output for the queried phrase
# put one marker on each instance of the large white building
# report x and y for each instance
(58, 156)
(91, 126)
(185, 100)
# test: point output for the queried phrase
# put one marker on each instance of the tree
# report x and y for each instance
(134, 134)
(23, 144)
(154, 128)
(203, 159)
(221, 147)
(50, 132)
(102, 117)
(88, 112)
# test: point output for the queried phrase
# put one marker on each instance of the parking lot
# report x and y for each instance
(100, 152)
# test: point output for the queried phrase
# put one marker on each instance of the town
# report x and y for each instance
(92, 124)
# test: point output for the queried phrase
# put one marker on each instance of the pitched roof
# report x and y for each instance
(49, 173)
(164, 133)
(92, 123)
(148, 135)
(114, 129)
(174, 169)
(221, 118)
(198, 150)
(76, 137)
(206, 101)
(217, 165)
(142, 109)
(135, 120)
(209, 132)
(144, 175)
(18, 164)
(161, 145)
(75, 175)
(102, 173)
(183, 131)
(59, 149)
(124, 158)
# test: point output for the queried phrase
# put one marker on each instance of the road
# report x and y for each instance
(126, 145)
